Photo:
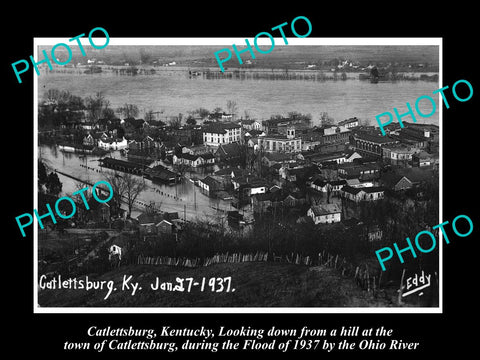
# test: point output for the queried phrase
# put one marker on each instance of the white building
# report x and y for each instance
(112, 144)
(251, 124)
(325, 214)
(349, 123)
(221, 133)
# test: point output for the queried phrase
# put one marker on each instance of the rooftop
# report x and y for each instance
(220, 127)
(276, 156)
(374, 137)
(210, 181)
(351, 190)
(325, 209)
(348, 121)
(373, 189)
(230, 149)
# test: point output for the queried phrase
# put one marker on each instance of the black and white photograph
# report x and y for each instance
(264, 185)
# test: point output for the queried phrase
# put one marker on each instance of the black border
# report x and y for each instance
(45, 333)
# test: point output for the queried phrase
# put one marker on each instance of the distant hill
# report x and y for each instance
(256, 285)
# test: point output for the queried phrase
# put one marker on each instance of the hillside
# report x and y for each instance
(255, 284)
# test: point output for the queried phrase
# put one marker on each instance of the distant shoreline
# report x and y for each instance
(122, 70)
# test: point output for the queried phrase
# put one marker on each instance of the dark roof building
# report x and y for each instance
(220, 127)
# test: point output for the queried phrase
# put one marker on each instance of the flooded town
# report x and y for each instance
(254, 168)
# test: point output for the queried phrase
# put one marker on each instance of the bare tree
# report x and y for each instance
(232, 108)
(326, 120)
(365, 122)
(118, 186)
(96, 106)
(176, 121)
(149, 115)
(133, 187)
(128, 111)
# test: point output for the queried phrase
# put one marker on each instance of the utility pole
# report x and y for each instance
(194, 197)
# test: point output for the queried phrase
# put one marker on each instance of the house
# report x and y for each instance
(424, 158)
(156, 223)
(221, 133)
(210, 185)
(89, 140)
(356, 194)
(297, 173)
(147, 221)
(352, 155)
(403, 179)
(320, 158)
(254, 133)
(253, 143)
(229, 152)
(270, 159)
(275, 169)
(187, 135)
(373, 233)
(189, 160)
(225, 176)
(295, 199)
(265, 201)
(196, 150)
(349, 123)
(374, 193)
(208, 158)
(398, 154)
(165, 227)
(142, 144)
(112, 143)
(161, 174)
(319, 185)
(334, 186)
(356, 183)
(255, 185)
(325, 213)
(288, 143)
(250, 124)
(368, 171)
(400, 183)
(337, 185)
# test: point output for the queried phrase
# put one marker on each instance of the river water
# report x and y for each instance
(174, 92)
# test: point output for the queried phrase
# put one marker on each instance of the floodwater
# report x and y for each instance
(173, 92)
(185, 198)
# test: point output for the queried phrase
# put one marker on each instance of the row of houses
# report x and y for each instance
(152, 223)
(105, 141)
